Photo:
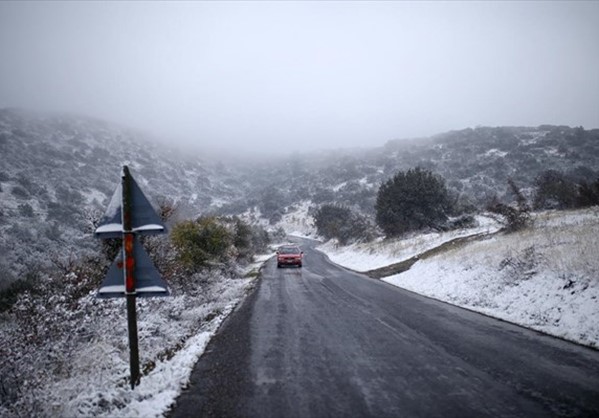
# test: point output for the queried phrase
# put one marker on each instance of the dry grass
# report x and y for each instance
(562, 243)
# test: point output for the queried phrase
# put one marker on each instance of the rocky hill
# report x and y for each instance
(476, 164)
(57, 172)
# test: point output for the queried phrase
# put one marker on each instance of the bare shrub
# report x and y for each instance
(514, 217)
(520, 266)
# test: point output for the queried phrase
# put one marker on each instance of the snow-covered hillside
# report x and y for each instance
(373, 255)
(65, 353)
(296, 220)
(58, 172)
(475, 163)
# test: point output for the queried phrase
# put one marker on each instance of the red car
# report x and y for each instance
(289, 255)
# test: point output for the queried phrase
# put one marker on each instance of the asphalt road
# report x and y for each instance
(325, 342)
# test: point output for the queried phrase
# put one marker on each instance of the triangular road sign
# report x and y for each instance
(144, 220)
(147, 279)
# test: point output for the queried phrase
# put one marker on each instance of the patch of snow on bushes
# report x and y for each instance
(80, 363)
(298, 222)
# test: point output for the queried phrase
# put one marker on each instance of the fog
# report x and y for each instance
(256, 77)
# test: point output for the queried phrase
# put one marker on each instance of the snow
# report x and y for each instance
(298, 222)
(369, 256)
(552, 288)
(534, 137)
(149, 227)
(113, 227)
(117, 227)
(94, 195)
(121, 289)
(339, 186)
(494, 152)
(93, 348)
(545, 278)
(552, 151)
(218, 202)
(157, 391)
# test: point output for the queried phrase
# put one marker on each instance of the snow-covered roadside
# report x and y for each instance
(85, 371)
(298, 222)
(381, 253)
(158, 391)
(545, 278)
(295, 221)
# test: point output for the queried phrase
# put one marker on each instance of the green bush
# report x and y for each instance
(554, 190)
(201, 241)
(412, 200)
(335, 221)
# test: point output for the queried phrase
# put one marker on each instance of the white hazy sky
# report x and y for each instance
(290, 76)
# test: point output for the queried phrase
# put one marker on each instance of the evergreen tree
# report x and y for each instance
(412, 200)
(554, 191)
(334, 221)
(588, 194)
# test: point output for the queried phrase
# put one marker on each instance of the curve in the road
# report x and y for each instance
(321, 341)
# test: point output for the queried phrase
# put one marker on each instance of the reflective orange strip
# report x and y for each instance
(129, 263)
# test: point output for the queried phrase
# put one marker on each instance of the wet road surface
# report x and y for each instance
(321, 341)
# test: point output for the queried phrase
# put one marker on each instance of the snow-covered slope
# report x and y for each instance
(380, 253)
(62, 352)
(58, 172)
(475, 163)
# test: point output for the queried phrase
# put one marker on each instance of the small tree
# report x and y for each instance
(554, 191)
(588, 194)
(201, 241)
(515, 217)
(412, 200)
(335, 221)
(242, 239)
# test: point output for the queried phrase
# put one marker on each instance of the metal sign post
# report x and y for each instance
(129, 271)
(129, 214)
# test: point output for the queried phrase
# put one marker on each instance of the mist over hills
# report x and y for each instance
(56, 172)
(476, 164)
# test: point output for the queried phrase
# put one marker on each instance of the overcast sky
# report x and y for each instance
(291, 76)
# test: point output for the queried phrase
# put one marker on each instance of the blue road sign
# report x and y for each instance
(144, 219)
(148, 282)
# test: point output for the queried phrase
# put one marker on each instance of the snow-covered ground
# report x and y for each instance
(85, 370)
(381, 253)
(296, 221)
(545, 278)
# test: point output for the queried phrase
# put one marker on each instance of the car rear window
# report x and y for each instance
(289, 250)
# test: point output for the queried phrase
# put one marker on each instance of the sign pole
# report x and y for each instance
(129, 268)
(131, 274)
